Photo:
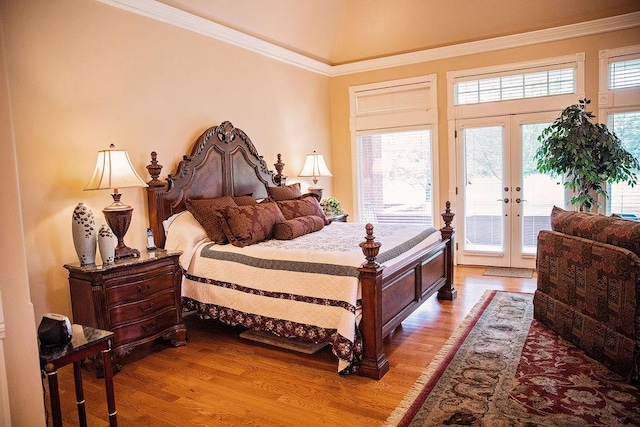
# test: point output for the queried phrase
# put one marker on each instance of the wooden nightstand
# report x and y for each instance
(338, 218)
(138, 299)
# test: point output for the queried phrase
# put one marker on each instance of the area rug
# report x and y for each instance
(501, 368)
(525, 273)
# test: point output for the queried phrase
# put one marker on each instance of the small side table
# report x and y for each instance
(337, 218)
(85, 342)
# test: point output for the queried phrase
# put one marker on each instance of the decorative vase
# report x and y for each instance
(106, 244)
(83, 228)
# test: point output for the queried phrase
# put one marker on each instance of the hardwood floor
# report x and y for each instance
(220, 379)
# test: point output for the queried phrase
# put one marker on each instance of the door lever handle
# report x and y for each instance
(506, 200)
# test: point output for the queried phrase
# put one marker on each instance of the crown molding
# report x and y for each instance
(178, 18)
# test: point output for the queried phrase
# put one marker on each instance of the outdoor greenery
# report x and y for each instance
(587, 154)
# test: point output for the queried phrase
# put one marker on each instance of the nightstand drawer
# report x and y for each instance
(139, 289)
(139, 309)
(145, 328)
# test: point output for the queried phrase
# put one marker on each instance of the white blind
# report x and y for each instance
(400, 103)
(516, 86)
(395, 177)
(624, 74)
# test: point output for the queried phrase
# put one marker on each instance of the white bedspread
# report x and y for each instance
(306, 287)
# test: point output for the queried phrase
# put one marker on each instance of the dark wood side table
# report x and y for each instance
(338, 218)
(138, 299)
(85, 342)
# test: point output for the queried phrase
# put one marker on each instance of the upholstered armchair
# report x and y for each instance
(588, 286)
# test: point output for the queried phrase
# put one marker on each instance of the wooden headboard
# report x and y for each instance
(223, 162)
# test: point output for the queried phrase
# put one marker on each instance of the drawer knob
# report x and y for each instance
(150, 326)
(143, 289)
(147, 308)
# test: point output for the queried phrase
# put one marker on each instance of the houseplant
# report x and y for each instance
(331, 206)
(586, 153)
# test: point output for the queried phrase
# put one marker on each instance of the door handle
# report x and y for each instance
(506, 200)
(518, 200)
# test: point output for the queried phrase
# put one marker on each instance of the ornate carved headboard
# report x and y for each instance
(223, 162)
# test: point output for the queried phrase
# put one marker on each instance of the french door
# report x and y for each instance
(503, 200)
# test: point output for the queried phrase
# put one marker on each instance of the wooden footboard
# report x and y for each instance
(390, 295)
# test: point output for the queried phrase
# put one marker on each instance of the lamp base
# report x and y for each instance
(119, 218)
(316, 190)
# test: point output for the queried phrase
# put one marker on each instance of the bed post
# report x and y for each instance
(374, 363)
(447, 291)
(155, 191)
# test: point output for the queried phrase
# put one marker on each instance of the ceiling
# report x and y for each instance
(337, 32)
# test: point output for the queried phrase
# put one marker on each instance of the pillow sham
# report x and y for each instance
(286, 192)
(246, 225)
(245, 200)
(204, 211)
(304, 206)
(183, 233)
(296, 227)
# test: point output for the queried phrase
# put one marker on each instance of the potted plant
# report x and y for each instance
(586, 153)
(331, 206)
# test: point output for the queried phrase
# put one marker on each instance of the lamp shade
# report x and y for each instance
(315, 166)
(114, 170)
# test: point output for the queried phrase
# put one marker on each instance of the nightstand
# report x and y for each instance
(138, 299)
(337, 218)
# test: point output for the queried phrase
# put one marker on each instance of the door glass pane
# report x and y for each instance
(483, 166)
(395, 177)
(540, 192)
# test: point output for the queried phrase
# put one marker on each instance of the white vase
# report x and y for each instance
(83, 228)
(106, 244)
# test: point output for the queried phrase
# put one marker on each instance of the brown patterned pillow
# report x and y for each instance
(604, 229)
(204, 211)
(246, 225)
(286, 192)
(296, 227)
(302, 207)
(245, 200)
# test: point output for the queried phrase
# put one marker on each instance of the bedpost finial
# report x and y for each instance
(278, 178)
(154, 170)
(447, 217)
(370, 247)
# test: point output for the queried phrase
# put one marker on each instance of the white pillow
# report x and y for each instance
(183, 233)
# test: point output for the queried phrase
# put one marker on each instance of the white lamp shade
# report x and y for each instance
(315, 166)
(114, 170)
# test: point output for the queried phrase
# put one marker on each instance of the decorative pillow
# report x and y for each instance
(296, 227)
(246, 225)
(604, 229)
(286, 192)
(204, 211)
(245, 200)
(302, 207)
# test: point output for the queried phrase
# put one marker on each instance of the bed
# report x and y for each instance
(351, 293)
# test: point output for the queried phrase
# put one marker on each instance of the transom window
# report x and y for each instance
(624, 74)
(517, 86)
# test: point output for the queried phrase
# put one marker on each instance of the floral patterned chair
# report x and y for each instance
(588, 286)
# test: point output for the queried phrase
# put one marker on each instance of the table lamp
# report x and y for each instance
(315, 166)
(114, 171)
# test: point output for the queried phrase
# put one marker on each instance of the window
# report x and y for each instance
(517, 86)
(395, 177)
(394, 138)
(620, 107)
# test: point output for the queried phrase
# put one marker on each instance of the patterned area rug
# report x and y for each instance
(525, 273)
(501, 368)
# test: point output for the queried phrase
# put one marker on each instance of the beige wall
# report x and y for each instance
(83, 75)
(342, 159)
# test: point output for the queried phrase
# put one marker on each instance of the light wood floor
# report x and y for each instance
(220, 379)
